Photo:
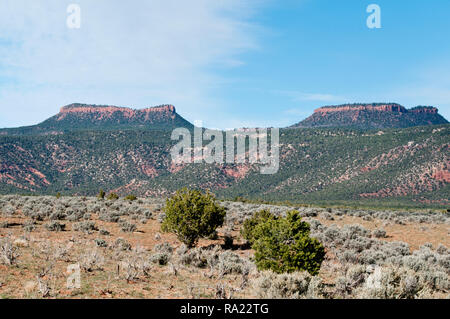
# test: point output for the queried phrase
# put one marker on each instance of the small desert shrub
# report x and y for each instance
(354, 231)
(441, 249)
(229, 263)
(4, 225)
(248, 229)
(148, 214)
(161, 217)
(327, 216)
(354, 277)
(295, 285)
(100, 242)
(192, 215)
(136, 264)
(130, 197)
(358, 244)
(8, 211)
(379, 233)
(8, 252)
(75, 216)
(104, 232)
(91, 260)
(122, 244)
(101, 194)
(162, 254)
(58, 215)
(55, 226)
(29, 225)
(43, 287)
(86, 227)
(127, 227)
(38, 216)
(391, 283)
(130, 269)
(214, 235)
(112, 196)
(228, 241)
(197, 257)
(60, 252)
(109, 217)
(284, 245)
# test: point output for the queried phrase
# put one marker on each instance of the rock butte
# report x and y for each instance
(107, 111)
(380, 108)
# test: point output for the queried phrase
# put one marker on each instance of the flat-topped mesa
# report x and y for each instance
(424, 109)
(389, 107)
(90, 116)
(78, 116)
(372, 116)
(87, 108)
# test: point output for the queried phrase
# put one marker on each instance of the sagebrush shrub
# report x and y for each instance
(229, 263)
(295, 285)
(191, 215)
(86, 227)
(8, 252)
(104, 232)
(29, 225)
(379, 233)
(197, 257)
(391, 283)
(91, 260)
(162, 253)
(100, 242)
(55, 226)
(127, 227)
(122, 244)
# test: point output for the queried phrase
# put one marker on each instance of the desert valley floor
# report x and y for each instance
(122, 253)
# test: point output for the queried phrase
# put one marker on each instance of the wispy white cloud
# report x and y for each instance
(136, 54)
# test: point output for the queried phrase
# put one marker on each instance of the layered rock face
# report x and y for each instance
(88, 116)
(373, 116)
(363, 107)
(103, 112)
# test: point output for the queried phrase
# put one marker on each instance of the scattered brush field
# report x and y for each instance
(122, 253)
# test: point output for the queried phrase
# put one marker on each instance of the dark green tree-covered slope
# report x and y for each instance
(317, 165)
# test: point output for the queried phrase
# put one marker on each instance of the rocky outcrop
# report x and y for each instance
(424, 109)
(362, 107)
(89, 116)
(372, 116)
(103, 112)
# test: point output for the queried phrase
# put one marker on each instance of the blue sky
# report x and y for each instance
(228, 63)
